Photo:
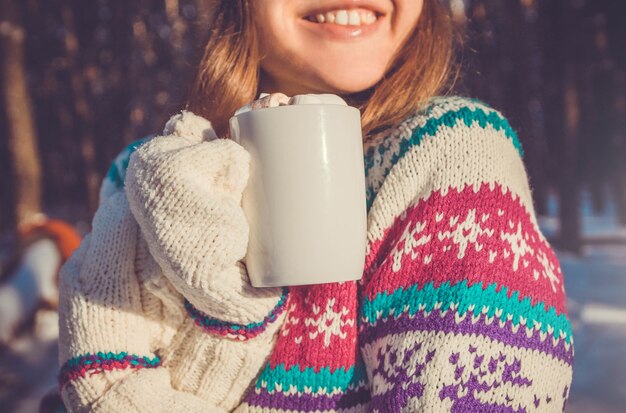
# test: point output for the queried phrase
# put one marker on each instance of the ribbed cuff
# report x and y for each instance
(237, 331)
(90, 364)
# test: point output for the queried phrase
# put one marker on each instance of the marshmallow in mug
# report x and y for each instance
(267, 100)
(320, 99)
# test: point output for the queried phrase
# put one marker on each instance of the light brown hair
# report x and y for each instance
(228, 74)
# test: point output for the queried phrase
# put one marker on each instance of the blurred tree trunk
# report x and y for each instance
(22, 140)
(201, 29)
(84, 114)
(142, 70)
(524, 93)
(617, 173)
(178, 27)
(570, 179)
(561, 34)
(617, 166)
(569, 188)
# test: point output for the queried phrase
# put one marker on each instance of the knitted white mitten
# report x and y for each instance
(126, 342)
(185, 190)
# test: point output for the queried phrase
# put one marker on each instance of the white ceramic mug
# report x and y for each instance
(305, 199)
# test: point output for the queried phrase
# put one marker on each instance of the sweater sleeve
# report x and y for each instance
(106, 346)
(463, 300)
(129, 341)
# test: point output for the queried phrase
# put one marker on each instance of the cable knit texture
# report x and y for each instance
(461, 307)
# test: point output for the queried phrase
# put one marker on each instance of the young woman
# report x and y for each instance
(461, 306)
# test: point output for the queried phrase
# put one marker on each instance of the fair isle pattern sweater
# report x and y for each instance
(462, 304)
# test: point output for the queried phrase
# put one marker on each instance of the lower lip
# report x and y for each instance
(342, 32)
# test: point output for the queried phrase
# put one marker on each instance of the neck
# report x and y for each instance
(268, 84)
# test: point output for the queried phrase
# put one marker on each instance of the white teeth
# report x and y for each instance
(344, 17)
(341, 17)
(353, 18)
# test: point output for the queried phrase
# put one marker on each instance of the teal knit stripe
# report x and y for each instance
(449, 119)
(117, 170)
(464, 296)
(340, 379)
(242, 331)
(114, 176)
(87, 359)
(90, 364)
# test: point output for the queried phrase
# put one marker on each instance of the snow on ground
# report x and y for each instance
(28, 368)
(596, 287)
(593, 226)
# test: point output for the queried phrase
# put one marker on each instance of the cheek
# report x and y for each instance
(277, 46)
(406, 18)
(272, 26)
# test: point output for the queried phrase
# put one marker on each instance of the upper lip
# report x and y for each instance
(344, 5)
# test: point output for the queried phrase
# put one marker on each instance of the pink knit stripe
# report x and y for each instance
(320, 328)
(479, 236)
(91, 364)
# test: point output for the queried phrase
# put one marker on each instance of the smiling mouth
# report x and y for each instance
(345, 17)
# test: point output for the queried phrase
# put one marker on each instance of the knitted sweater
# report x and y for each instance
(461, 307)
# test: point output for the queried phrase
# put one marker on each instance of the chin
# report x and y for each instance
(350, 78)
(349, 86)
(322, 74)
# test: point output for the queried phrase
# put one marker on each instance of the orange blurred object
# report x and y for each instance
(63, 234)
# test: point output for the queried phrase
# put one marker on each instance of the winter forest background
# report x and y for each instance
(82, 79)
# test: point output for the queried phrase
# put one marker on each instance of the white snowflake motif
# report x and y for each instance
(290, 320)
(329, 323)
(411, 243)
(548, 270)
(519, 246)
(465, 233)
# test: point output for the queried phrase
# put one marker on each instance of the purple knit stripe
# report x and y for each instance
(304, 402)
(448, 324)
